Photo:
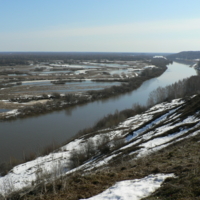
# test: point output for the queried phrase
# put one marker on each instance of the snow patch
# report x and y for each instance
(160, 57)
(133, 189)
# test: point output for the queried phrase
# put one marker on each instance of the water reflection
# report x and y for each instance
(69, 110)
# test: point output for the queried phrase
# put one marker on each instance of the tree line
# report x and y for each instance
(180, 89)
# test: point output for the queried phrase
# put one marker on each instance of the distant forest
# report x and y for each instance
(24, 58)
(185, 55)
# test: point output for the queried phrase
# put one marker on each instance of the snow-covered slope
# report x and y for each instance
(140, 135)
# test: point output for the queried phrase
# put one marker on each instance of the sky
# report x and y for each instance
(167, 26)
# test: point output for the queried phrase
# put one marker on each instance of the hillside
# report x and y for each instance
(163, 141)
(185, 55)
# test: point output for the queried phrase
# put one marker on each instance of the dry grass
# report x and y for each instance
(182, 158)
(9, 105)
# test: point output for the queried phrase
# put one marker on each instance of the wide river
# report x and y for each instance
(22, 136)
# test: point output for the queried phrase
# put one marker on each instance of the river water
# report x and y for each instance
(23, 136)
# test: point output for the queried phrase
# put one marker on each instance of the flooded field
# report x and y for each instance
(40, 78)
(30, 87)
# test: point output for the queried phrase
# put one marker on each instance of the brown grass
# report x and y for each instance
(182, 158)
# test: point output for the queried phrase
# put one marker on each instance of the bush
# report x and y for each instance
(69, 98)
(45, 96)
(180, 89)
(86, 152)
(55, 95)
(5, 167)
(103, 144)
(117, 143)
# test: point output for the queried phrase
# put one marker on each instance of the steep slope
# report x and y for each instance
(133, 149)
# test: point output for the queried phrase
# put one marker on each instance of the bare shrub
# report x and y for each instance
(137, 109)
(39, 108)
(18, 83)
(69, 97)
(117, 142)
(55, 95)
(49, 148)
(79, 156)
(103, 144)
(39, 69)
(50, 177)
(180, 89)
(90, 148)
(45, 96)
(29, 157)
(34, 109)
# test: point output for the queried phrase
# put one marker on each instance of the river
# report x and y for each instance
(33, 133)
